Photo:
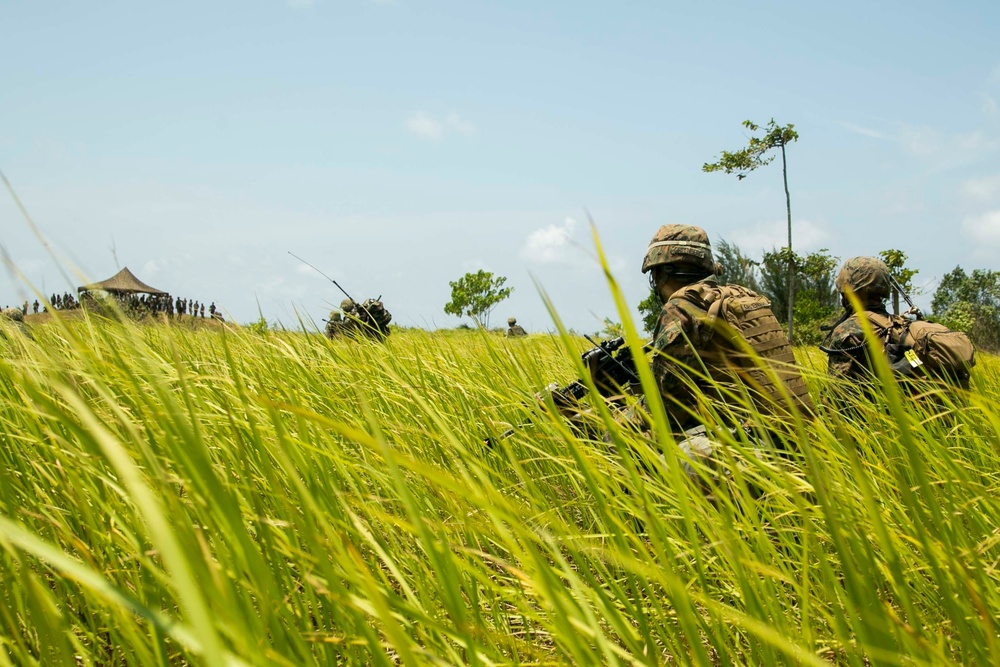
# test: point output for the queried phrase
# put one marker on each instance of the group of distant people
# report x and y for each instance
(139, 306)
(64, 301)
(134, 305)
(368, 319)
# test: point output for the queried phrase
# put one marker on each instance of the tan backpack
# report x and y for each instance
(932, 349)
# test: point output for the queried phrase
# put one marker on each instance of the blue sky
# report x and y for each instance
(399, 144)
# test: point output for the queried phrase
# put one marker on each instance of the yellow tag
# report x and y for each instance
(912, 357)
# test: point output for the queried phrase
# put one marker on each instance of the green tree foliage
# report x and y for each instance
(816, 299)
(745, 160)
(736, 268)
(970, 303)
(611, 329)
(896, 261)
(476, 295)
(650, 308)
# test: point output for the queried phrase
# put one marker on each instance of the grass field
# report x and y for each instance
(175, 496)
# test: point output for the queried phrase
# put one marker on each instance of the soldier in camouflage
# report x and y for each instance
(696, 354)
(15, 318)
(369, 318)
(687, 335)
(514, 329)
(845, 346)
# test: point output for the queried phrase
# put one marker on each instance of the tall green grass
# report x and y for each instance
(171, 496)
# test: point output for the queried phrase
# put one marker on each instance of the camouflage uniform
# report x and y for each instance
(368, 319)
(514, 329)
(846, 348)
(15, 317)
(688, 343)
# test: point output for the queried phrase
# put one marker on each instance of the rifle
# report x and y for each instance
(906, 297)
(612, 368)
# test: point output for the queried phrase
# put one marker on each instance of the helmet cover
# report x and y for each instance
(679, 244)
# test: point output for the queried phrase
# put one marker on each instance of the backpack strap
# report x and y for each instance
(713, 314)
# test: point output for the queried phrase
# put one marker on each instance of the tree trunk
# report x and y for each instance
(791, 255)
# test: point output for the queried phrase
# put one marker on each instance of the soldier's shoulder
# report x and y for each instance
(850, 328)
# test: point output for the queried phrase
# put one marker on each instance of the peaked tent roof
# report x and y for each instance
(123, 281)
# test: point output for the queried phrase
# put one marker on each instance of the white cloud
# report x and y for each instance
(982, 189)
(425, 125)
(928, 142)
(551, 245)
(807, 236)
(984, 228)
(150, 268)
(875, 134)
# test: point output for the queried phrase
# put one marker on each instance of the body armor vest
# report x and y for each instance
(740, 335)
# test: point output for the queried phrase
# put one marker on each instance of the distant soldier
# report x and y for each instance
(202, 310)
(514, 329)
(343, 321)
(34, 307)
(370, 318)
(15, 318)
(335, 324)
(24, 308)
(211, 309)
(912, 347)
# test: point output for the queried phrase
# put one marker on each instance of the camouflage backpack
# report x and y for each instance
(932, 349)
(373, 313)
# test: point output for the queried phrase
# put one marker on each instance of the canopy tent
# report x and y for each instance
(123, 282)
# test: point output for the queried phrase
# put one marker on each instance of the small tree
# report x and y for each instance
(817, 297)
(476, 295)
(896, 261)
(743, 161)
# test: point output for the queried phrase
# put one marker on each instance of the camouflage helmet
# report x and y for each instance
(865, 276)
(679, 244)
(13, 314)
(347, 304)
(511, 321)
